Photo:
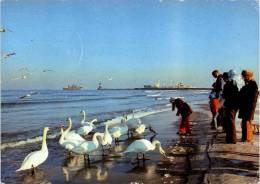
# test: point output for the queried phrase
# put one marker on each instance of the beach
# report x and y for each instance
(202, 157)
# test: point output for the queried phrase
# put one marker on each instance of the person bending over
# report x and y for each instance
(185, 111)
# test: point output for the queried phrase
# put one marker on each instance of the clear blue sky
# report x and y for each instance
(135, 42)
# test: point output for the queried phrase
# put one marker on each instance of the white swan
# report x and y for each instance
(119, 130)
(133, 122)
(143, 146)
(36, 158)
(84, 122)
(140, 129)
(106, 139)
(87, 147)
(68, 144)
(72, 135)
(85, 129)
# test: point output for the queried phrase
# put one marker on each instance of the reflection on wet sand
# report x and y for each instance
(39, 177)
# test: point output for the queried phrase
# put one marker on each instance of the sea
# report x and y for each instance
(23, 119)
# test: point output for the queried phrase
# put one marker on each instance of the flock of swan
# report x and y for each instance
(74, 141)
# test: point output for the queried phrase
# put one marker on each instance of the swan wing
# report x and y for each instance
(34, 158)
(139, 146)
(85, 147)
(73, 136)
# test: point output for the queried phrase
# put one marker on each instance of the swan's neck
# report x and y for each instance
(84, 116)
(106, 130)
(62, 136)
(156, 143)
(44, 144)
(69, 127)
(94, 139)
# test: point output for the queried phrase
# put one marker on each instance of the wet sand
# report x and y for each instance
(202, 157)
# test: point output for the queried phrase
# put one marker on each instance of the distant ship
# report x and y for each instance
(72, 87)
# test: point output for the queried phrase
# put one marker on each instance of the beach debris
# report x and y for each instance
(28, 94)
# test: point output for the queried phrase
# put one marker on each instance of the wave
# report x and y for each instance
(161, 98)
(154, 95)
(27, 141)
(10, 104)
(139, 113)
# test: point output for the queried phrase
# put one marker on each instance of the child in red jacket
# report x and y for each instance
(185, 111)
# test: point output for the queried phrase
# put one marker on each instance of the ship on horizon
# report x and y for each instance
(72, 87)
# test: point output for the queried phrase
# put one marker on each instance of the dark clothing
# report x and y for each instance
(229, 125)
(183, 109)
(247, 100)
(218, 86)
(230, 94)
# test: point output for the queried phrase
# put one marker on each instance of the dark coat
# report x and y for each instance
(218, 86)
(247, 100)
(230, 94)
(183, 109)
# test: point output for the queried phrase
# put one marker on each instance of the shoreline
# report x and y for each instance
(199, 158)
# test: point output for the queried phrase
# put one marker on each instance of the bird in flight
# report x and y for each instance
(2, 30)
(9, 54)
(47, 70)
(28, 94)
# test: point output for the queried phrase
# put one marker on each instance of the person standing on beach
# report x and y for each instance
(185, 111)
(230, 95)
(215, 96)
(247, 103)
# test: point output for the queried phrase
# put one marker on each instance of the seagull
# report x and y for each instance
(47, 70)
(28, 94)
(2, 30)
(9, 54)
(22, 77)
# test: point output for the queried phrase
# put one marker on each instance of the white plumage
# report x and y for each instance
(87, 128)
(143, 145)
(119, 130)
(72, 135)
(106, 138)
(36, 158)
(87, 147)
(133, 122)
(140, 129)
(68, 144)
(84, 122)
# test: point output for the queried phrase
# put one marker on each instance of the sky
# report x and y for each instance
(126, 43)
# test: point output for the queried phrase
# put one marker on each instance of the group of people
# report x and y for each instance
(226, 100)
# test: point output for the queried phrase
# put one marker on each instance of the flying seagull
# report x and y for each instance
(9, 54)
(2, 30)
(47, 70)
(28, 94)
